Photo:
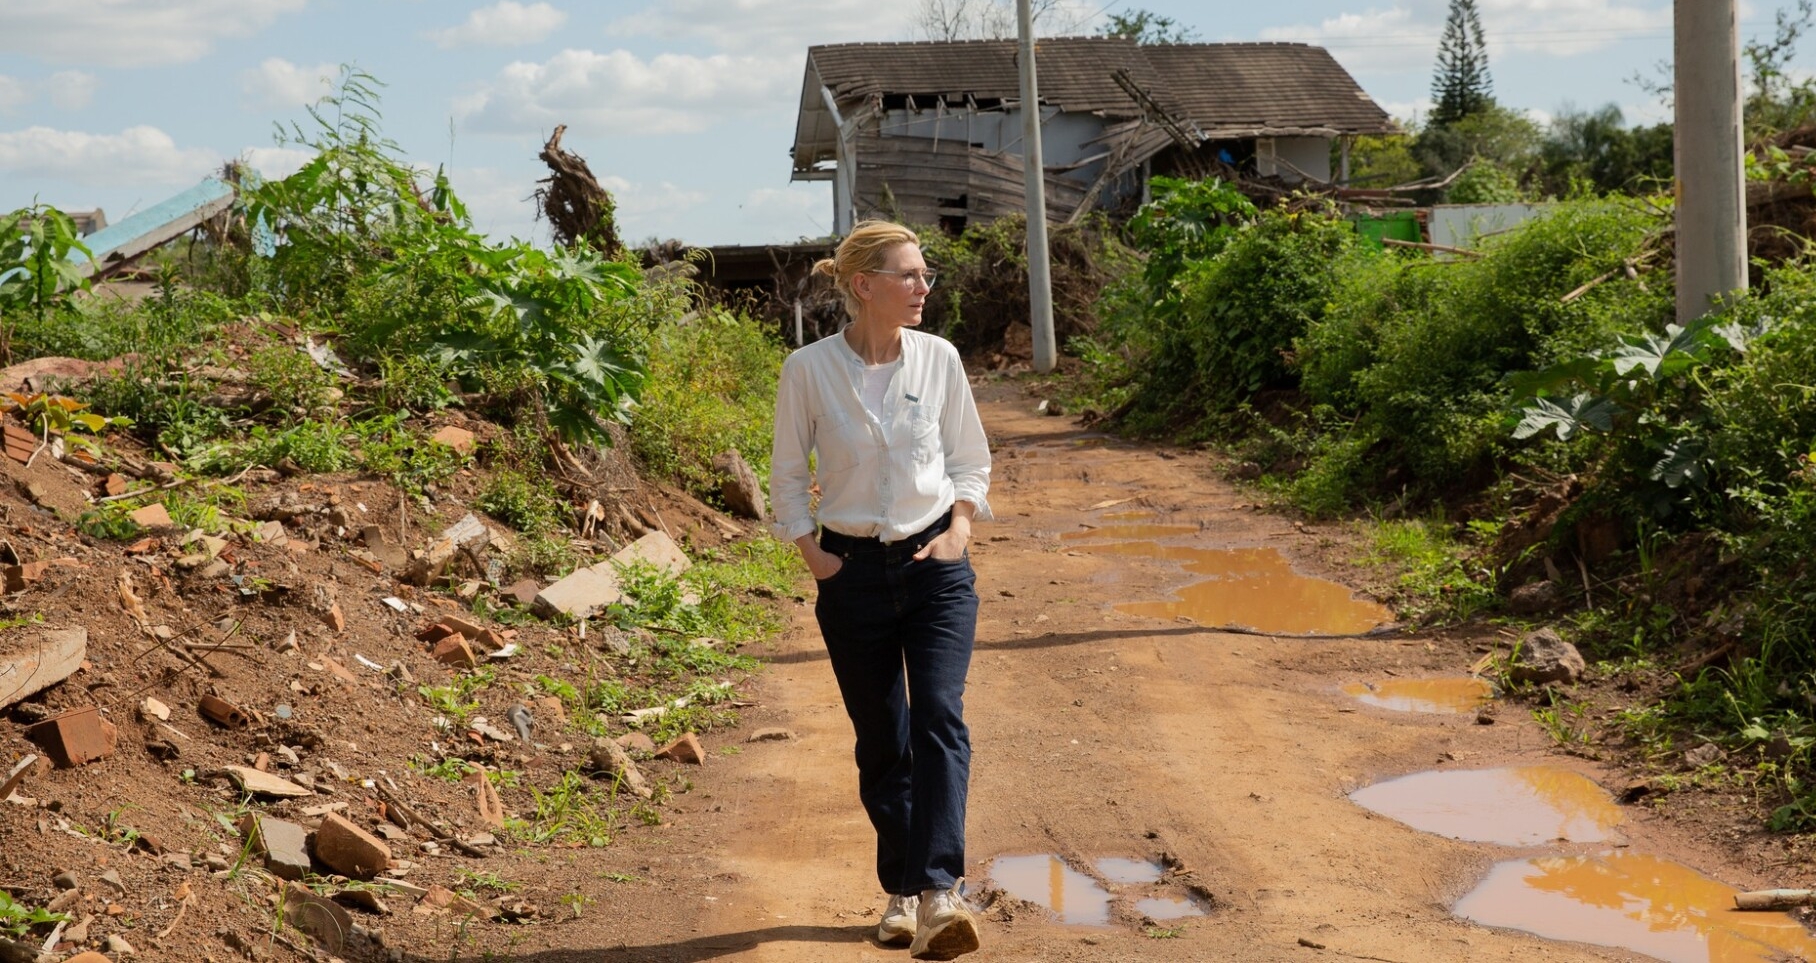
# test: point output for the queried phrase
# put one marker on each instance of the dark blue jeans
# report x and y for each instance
(899, 634)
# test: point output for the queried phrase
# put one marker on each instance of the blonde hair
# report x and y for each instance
(864, 249)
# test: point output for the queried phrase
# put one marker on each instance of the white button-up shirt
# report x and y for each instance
(885, 476)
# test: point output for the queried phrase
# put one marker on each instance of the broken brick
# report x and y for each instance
(76, 738)
(459, 439)
(454, 651)
(18, 577)
(350, 850)
(154, 515)
(335, 618)
(685, 748)
(116, 484)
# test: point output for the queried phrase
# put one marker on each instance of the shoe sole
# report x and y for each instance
(954, 938)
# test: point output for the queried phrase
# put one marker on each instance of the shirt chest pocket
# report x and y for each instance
(924, 428)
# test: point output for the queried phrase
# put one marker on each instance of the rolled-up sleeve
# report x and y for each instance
(789, 475)
(962, 435)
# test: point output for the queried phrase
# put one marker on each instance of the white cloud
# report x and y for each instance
(277, 83)
(641, 204)
(1374, 40)
(500, 203)
(621, 93)
(131, 33)
(782, 214)
(503, 24)
(72, 89)
(134, 156)
(766, 25)
(1404, 36)
(13, 94)
(275, 163)
(1408, 111)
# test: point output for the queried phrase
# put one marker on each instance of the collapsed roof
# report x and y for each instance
(1225, 90)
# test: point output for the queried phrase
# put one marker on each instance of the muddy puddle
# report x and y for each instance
(1074, 898)
(1254, 588)
(1636, 902)
(1129, 871)
(1520, 806)
(1163, 910)
(1452, 695)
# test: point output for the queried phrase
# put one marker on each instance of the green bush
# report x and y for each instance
(527, 502)
(712, 386)
(1239, 312)
(1416, 350)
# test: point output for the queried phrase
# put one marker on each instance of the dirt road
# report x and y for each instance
(1099, 734)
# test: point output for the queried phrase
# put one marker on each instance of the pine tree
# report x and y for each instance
(1461, 85)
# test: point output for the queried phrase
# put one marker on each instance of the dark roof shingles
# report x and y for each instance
(1231, 85)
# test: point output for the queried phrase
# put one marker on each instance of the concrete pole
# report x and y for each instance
(1040, 276)
(1711, 179)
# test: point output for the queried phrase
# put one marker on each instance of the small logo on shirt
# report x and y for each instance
(911, 397)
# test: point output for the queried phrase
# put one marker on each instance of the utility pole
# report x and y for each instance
(1711, 181)
(1040, 273)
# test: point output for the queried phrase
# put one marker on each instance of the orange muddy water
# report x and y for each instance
(1252, 588)
(1634, 901)
(1452, 695)
(1520, 806)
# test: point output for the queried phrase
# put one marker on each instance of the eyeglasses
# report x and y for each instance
(911, 278)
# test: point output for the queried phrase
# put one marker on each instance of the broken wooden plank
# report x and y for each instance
(30, 667)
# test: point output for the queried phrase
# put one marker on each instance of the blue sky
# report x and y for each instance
(684, 108)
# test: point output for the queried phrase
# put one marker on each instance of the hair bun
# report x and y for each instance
(826, 266)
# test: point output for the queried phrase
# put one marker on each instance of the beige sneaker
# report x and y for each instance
(947, 927)
(897, 927)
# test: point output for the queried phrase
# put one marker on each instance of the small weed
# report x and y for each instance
(620, 877)
(571, 810)
(528, 503)
(455, 700)
(16, 919)
(1566, 722)
(471, 881)
(22, 620)
(451, 769)
(576, 902)
(1163, 933)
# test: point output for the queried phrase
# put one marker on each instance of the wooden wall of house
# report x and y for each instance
(948, 183)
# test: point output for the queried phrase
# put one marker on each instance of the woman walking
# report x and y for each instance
(903, 468)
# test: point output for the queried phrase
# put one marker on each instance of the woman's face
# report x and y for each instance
(896, 291)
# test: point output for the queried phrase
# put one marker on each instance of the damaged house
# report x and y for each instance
(931, 132)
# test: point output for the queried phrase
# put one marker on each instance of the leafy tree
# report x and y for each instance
(1779, 100)
(1380, 161)
(1146, 26)
(1461, 85)
(1507, 137)
(1593, 150)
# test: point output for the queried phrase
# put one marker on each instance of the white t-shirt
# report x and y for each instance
(876, 385)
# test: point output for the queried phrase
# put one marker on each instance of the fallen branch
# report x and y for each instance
(1420, 245)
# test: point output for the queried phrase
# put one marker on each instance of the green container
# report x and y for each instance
(1398, 226)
